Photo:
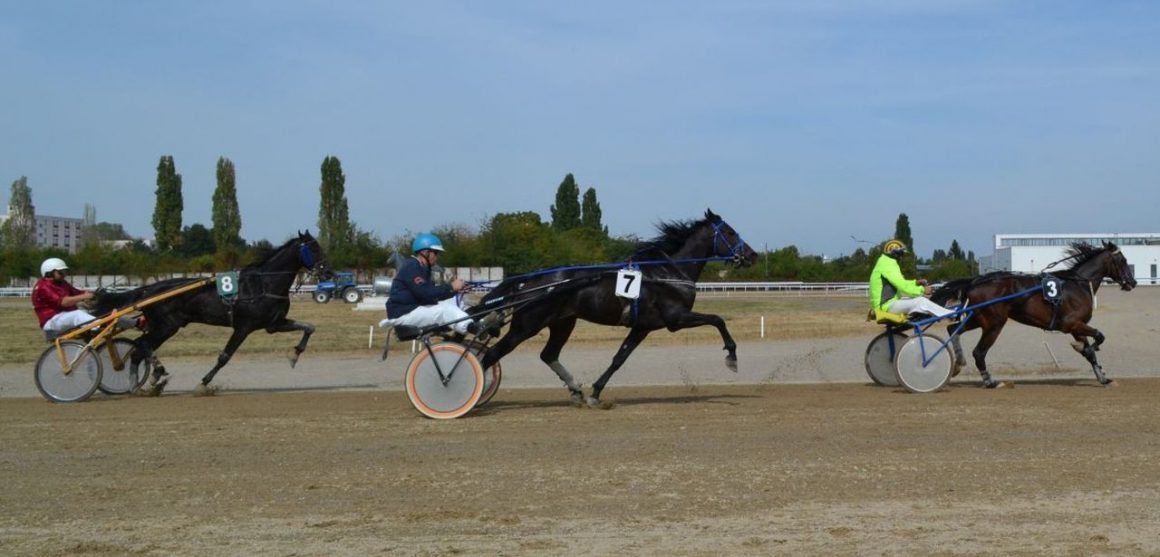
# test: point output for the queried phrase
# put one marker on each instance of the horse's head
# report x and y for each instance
(1116, 267)
(728, 243)
(311, 256)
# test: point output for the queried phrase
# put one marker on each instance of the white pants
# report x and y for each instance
(66, 320)
(424, 316)
(907, 306)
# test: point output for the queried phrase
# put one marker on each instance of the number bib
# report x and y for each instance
(1052, 290)
(628, 283)
(227, 284)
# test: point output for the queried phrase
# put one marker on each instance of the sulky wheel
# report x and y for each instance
(491, 379)
(117, 367)
(917, 375)
(74, 384)
(452, 395)
(880, 358)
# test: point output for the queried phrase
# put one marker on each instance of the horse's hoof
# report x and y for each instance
(205, 390)
(1111, 383)
(578, 399)
(731, 363)
(594, 402)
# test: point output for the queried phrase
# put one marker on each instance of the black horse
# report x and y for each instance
(670, 265)
(1076, 291)
(262, 301)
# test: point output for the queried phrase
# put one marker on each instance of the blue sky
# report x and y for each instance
(800, 122)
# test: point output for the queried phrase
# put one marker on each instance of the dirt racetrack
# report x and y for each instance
(799, 455)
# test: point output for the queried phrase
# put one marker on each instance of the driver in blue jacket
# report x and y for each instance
(416, 300)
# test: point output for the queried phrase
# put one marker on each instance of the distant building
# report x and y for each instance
(1032, 253)
(56, 232)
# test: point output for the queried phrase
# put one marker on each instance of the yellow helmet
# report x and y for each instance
(894, 247)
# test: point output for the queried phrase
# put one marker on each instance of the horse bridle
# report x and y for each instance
(735, 249)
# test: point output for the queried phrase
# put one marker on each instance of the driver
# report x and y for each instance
(55, 299)
(416, 301)
(890, 291)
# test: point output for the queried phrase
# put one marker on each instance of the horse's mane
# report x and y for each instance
(1080, 253)
(673, 235)
(264, 255)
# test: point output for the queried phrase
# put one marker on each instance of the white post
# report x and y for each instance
(371, 338)
(762, 326)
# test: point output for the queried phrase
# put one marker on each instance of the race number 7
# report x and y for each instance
(628, 283)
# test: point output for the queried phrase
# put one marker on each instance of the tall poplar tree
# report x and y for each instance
(19, 231)
(566, 211)
(334, 228)
(902, 234)
(227, 219)
(590, 213)
(167, 211)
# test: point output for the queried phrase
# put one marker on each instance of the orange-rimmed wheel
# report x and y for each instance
(445, 381)
(491, 379)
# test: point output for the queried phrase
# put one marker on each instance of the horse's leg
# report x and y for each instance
(523, 326)
(1088, 350)
(287, 325)
(990, 333)
(150, 342)
(960, 357)
(693, 319)
(634, 338)
(558, 334)
(227, 353)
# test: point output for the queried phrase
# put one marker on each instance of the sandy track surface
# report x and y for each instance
(796, 454)
(1058, 467)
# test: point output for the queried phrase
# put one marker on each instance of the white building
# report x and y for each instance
(56, 232)
(1032, 253)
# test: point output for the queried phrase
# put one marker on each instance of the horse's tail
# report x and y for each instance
(953, 290)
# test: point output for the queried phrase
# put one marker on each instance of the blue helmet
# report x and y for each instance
(424, 241)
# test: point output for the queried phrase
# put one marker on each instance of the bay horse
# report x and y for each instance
(262, 301)
(669, 265)
(1077, 288)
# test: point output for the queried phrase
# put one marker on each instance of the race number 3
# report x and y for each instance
(227, 284)
(1051, 290)
(628, 284)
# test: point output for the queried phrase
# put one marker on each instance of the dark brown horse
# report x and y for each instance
(670, 266)
(1074, 290)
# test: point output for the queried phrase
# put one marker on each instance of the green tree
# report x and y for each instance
(167, 211)
(196, 240)
(334, 227)
(566, 211)
(227, 219)
(909, 265)
(956, 252)
(590, 214)
(19, 231)
(518, 242)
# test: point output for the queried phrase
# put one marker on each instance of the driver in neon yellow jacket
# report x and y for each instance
(890, 291)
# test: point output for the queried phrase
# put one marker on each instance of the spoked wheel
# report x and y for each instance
(452, 395)
(919, 376)
(880, 358)
(117, 367)
(75, 384)
(491, 379)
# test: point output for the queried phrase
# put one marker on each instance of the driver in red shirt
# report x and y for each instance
(55, 300)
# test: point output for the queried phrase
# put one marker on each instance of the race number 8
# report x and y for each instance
(227, 284)
(628, 284)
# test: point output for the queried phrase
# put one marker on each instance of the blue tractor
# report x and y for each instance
(342, 285)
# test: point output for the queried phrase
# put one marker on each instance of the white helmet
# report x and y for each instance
(52, 264)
